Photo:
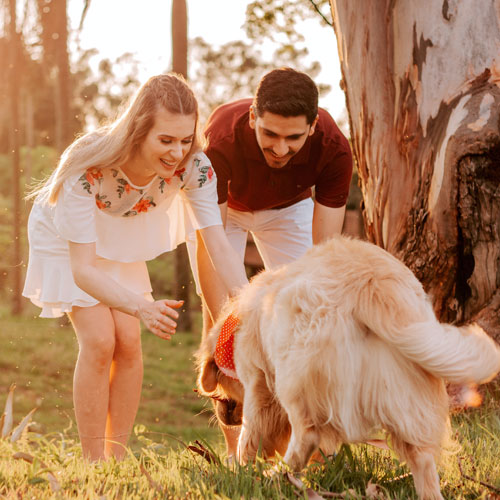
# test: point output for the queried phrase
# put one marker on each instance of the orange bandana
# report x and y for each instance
(224, 349)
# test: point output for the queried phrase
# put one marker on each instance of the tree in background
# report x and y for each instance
(277, 20)
(42, 113)
(91, 95)
(183, 279)
(54, 37)
(422, 81)
(233, 70)
(14, 44)
(98, 93)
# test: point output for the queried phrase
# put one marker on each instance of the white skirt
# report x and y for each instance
(49, 280)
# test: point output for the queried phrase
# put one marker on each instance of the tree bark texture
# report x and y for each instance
(54, 23)
(179, 37)
(14, 136)
(422, 84)
(183, 278)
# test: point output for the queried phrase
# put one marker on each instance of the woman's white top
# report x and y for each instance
(129, 225)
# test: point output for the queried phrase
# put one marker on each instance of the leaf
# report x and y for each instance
(311, 494)
(203, 452)
(8, 418)
(28, 458)
(294, 480)
(18, 431)
(54, 483)
(36, 480)
(373, 491)
(151, 481)
(23, 456)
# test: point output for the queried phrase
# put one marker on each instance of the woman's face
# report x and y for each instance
(166, 144)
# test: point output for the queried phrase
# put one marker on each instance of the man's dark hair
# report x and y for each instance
(287, 92)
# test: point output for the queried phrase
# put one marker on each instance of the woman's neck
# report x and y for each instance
(136, 172)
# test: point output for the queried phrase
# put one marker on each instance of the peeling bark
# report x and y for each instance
(422, 83)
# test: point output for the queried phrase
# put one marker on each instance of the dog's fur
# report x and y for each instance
(336, 346)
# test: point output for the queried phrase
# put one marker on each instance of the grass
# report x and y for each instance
(39, 355)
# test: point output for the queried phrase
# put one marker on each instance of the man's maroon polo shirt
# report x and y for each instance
(247, 183)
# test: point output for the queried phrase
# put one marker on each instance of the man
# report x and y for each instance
(270, 154)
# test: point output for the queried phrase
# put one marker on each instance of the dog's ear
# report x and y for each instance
(207, 379)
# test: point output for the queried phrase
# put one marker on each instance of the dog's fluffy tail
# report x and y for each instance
(464, 354)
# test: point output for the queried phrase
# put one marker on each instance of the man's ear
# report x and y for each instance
(313, 125)
(252, 118)
(207, 379)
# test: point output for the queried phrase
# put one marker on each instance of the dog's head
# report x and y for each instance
(226, 393)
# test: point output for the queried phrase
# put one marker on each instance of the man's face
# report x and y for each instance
(280, 137)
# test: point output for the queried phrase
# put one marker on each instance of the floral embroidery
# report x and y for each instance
(100, 203)
(206, 173)
(142, 205)
(125, 187)
(163, 181)
(87, 179)
(181, 173)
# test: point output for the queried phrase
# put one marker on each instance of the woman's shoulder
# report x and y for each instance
(200, 156)
(85, 182)
(196, 160)
(199, 170)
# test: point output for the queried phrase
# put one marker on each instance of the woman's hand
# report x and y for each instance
(157, 316)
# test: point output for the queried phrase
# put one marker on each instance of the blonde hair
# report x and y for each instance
(114, 144)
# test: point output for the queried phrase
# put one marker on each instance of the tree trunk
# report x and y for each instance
(29, 114)
(179, 37)
(66, 133)
(422, 89)
(54, 23)
(183, 278)
(14, 136)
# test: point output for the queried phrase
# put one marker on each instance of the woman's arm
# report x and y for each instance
(155, 315)
(220, 271)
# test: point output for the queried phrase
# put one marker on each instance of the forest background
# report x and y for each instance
(52, 88)
(57, 87)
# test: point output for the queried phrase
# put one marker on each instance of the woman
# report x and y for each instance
(120, 196)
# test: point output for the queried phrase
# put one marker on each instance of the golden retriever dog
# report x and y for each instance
(335, 347)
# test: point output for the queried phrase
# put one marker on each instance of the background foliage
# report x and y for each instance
(93, 93)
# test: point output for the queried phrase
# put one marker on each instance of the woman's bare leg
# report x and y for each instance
(125, 383)
(95, 330)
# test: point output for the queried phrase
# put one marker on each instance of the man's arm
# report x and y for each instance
(223, 212)
(327, 221)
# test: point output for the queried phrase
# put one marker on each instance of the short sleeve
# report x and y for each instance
(200, 192)
(223, 172)
(74, 216)
(332, 186)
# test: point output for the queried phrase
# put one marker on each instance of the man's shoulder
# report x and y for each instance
(239, 106)
(226, 119)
